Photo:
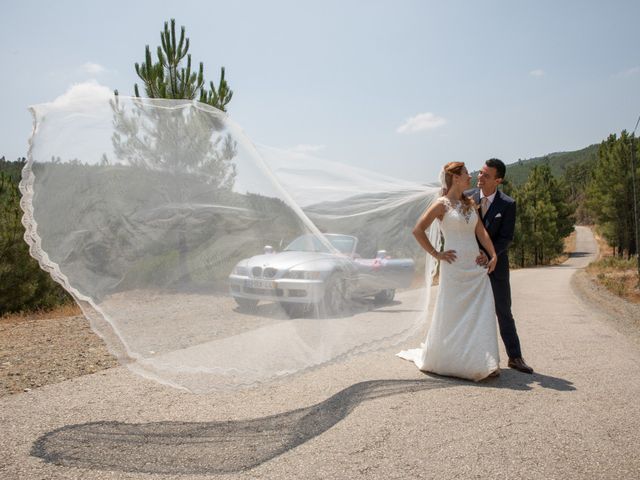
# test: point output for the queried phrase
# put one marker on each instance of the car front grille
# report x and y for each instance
(269, 272)
(258, 272)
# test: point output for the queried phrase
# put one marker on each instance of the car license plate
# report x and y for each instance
(264, 284)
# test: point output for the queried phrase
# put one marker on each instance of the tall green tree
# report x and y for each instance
(545, 217)
(168, 78)
(180, 141)
(181, 145)
(610, 193)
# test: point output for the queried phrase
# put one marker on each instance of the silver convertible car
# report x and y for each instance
(321, 273)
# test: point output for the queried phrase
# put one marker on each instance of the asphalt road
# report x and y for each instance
(374, 416)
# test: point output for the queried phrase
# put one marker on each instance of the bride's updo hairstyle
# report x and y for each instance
(451, 169)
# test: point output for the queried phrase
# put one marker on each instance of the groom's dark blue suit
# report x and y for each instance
(500, 222)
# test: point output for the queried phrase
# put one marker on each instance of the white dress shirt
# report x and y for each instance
(490, 197)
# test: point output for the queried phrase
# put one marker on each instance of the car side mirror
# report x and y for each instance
(268, 249)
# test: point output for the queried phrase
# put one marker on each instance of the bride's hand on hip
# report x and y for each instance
(448, 256)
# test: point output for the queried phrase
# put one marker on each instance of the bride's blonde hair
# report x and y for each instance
(451, 169)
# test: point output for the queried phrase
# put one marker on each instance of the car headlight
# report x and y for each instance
(240, 270)
(303, 275)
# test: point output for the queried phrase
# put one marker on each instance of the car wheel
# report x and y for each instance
(246, 304)
(385, 296)
(335, 296)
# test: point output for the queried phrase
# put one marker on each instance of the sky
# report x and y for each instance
(397, 87)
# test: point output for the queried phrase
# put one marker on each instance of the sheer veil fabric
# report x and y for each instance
(187, 247)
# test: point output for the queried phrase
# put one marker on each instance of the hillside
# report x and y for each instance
(518, 171)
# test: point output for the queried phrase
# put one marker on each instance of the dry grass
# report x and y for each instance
(68, 310)
(617, 275)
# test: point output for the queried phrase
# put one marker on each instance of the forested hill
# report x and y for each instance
(518, 172)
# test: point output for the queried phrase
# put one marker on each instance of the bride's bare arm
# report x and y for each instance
(435, 210)
(485, 241)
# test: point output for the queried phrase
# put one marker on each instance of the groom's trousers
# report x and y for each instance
(502, 296)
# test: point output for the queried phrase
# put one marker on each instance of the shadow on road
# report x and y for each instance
(580, 254)
(231, 446)
(574, 258)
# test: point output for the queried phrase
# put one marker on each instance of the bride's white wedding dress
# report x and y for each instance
(462, 339)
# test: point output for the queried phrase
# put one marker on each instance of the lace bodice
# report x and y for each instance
(459, 208)
(458, 227)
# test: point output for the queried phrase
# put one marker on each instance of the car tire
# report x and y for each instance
(385, 296)
(246, 304)
(335, 296)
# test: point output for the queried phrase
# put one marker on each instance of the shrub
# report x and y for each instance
(24, 286)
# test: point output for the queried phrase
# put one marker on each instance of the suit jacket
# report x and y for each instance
(500, 223)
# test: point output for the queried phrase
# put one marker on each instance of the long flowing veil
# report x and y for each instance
(207, 263)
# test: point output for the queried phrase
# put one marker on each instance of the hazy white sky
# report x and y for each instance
(397, 87)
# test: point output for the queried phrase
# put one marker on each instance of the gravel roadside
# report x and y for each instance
(38, 352)
(624, 315)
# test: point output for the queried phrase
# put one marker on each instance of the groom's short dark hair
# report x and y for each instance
(501, 169)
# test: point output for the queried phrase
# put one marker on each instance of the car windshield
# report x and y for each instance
(311, 243)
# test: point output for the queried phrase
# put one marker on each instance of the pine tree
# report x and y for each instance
(182, 145)
(610, 193)
(187, 142)
(167, 79)
(543, 219)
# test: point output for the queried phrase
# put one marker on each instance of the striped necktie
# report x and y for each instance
(484, 206)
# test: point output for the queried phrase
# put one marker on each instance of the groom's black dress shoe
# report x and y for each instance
(518, 364)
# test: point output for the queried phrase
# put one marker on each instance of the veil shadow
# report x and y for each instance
(209, 447)
(220, 447)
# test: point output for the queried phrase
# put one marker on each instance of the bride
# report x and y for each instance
(462, 340)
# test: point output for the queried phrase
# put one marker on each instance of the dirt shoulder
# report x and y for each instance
(40, 351)
(624, 315)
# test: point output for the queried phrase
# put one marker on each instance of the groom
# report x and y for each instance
(498, 213)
